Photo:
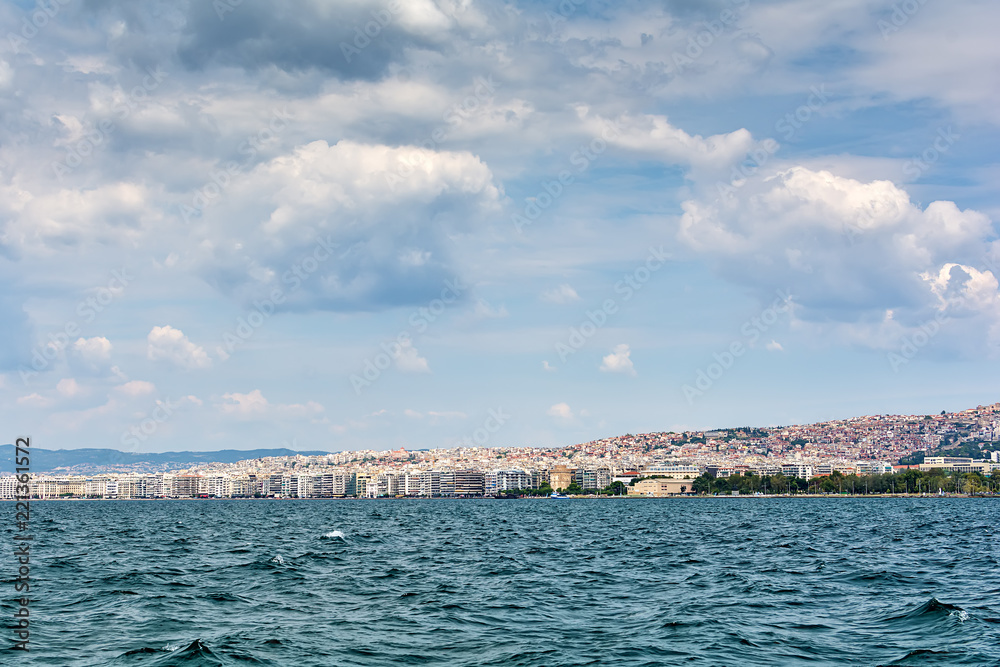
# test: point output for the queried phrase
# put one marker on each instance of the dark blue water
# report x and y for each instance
(540, 582)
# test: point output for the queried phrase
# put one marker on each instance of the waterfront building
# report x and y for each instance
(661, 487)
(593, 478)
(469, 483)
(561, 476)
(673, 471)
(799, 470)
(184, 486)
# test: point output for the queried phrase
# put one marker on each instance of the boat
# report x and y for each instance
(556, 494)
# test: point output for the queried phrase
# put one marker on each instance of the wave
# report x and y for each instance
(195, 654)
(334, 534)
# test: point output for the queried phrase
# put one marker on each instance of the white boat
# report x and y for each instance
(556, 494)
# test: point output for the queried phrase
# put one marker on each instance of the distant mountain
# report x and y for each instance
(45, 460)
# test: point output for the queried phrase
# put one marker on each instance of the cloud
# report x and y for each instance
(34, 400)
(774, 346)
(654, 136)
(69, 388)
(93, 354)
(408, 360)
(548, 368)
(562, 294)
(345, 227)
(560, 411)
(618, 361)
(356, 40)
(169, 344)
(485, 311)
(137, 388)
(413, 414)
(253, 405)
(848, 250)
(447, 414)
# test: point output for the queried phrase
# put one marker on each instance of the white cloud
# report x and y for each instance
(413, 414)
(137, 388)
(245, 405)
(169, 344)
(654, 136)
(69, 388)
(618, 361)
(34, 400)
(848, 250)
(254, 405)
(381, 214)
(562, 294)
(774, 346)
(485, 311)
(548, 368)
(93, 353)
(560, 411)
(408, 360)
(447, 414)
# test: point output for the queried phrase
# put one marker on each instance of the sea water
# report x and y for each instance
(734, 581)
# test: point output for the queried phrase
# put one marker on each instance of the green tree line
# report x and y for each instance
(911, 481)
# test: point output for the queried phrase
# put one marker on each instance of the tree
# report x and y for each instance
(573, 488)
(616, 488)
(702, 484)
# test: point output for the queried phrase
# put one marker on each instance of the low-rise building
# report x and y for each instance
(661, 487)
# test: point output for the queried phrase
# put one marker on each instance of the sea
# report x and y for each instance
(686, 581)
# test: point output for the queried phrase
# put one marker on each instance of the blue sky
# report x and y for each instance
(254, 224)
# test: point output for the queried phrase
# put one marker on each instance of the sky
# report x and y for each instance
(428, 223)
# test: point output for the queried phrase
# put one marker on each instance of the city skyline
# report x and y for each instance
(327, 226)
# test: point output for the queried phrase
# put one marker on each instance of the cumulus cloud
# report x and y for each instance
(560, 411)
(169, 344)
(69, 388)
(34, 400)
(254, 405)
(92, 355)
(562, 294)
(655, 136)
(848, 250)
(408, 360)
(486, 311)
(350, 226)
(618, 361)
(137, 388)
